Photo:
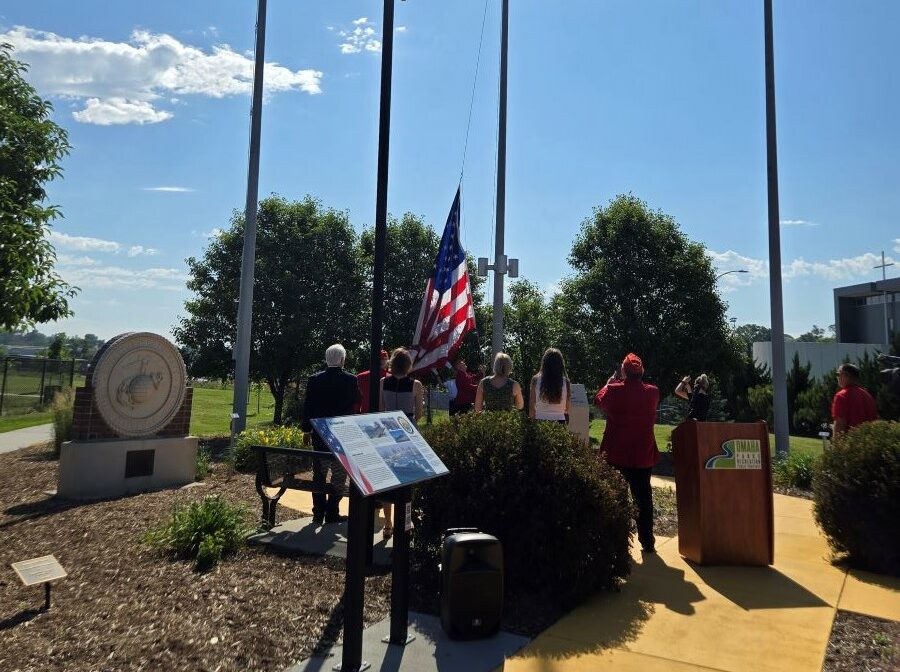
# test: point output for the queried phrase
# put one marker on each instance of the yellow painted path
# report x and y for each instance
(673, 615)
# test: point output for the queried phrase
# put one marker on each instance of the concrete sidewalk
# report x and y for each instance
(22, 438)
(674, 615)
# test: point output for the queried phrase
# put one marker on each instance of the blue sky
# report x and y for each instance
(662, 99)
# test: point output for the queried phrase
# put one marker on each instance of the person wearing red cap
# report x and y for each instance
(362, 380)
(852, 405)
(628, 441)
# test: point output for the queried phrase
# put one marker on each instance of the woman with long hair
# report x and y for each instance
(550, 389)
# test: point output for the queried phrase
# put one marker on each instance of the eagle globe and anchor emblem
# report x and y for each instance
(135, 391)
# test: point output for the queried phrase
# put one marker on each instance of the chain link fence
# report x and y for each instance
(27, 384)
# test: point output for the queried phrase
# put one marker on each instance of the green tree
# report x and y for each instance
(31, 147)
(798, 381)
(640, 285)
(309, 293)
(58, 348)
(530, 328)
(748, 334)
(817, 335)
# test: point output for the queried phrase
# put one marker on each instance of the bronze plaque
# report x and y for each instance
(39, 570)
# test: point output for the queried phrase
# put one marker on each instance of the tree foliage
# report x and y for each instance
(641, 285)
(309, 292)
(31, 147)
(530, 327)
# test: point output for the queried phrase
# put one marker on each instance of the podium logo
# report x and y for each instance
(738, 454)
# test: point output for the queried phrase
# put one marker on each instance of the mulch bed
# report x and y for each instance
(124, 607)
(862, 644)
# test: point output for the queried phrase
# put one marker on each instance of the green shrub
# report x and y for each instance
(203, 458)
(63, 409)
(203, 531)
(242, 458)
(857, 496)
(796, 470)
(563, 514)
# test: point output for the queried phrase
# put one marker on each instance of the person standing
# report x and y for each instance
(697, 396)
(852, 405)
(466, 387)
(329, 393)
(399, 392)
(628, 440)
(550, 389)
(499, 392)
(362, 379)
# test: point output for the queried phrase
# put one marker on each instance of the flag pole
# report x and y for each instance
(499, 256)
(245, 302)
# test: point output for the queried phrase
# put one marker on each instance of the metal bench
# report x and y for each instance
(286, 468)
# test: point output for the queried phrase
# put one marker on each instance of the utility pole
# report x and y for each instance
(887, 333)
(248, 261)
(779, 375)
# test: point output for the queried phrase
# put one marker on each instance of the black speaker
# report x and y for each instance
(471, 583)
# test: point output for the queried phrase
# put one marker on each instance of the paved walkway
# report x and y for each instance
(673, 615)
(22, 438)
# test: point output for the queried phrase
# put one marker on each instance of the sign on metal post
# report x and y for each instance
(40, 570)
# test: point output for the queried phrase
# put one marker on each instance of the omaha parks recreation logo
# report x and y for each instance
(738, 454)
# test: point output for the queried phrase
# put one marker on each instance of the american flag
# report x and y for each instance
(447, 310)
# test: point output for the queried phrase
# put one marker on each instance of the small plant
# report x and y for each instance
(857, 495)
(203, 458)
(243, 458)
(204, 531)
(63, 409)
(796, 470)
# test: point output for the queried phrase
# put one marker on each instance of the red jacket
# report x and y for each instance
(630, 409)
(466, 387)
(362, 380)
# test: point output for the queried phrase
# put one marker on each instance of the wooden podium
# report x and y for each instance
(723, 473)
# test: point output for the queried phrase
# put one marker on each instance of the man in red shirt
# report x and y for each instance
(466, 387)
(628, 440)
(362, 381)
(852, 405)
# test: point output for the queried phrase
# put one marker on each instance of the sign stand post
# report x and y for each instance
(400, 573)
(354, 585)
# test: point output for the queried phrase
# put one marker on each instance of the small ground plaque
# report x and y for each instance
(40, 570)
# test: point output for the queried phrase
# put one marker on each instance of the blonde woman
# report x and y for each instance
(499, 392)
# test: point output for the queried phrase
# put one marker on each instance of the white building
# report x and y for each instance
(823, 357)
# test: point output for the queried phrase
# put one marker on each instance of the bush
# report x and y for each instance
(562, 514)
(203, 458)
(796, 470)
(63, 409)
(203, 531)
(242, 458)
(857, 496)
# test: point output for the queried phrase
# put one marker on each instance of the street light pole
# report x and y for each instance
(740, 270)
(248, 261)
(887, 334)
(779, 379)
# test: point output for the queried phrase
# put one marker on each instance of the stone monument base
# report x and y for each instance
(117, 467)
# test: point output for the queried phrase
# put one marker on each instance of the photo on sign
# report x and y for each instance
(405, 460)
(390, 423)
(374, 430)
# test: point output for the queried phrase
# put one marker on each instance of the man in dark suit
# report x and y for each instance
(329, 393)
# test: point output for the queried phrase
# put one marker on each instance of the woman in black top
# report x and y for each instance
(696, 395)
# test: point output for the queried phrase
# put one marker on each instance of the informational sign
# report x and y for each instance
(39, 570)
(738, 454)
(380, 451)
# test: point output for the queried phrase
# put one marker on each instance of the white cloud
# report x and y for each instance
(98, 276)
(897, 245)
(401, 29)
(798, 222)
(848, 268)
(140, 250)
(832, 270)
(122, 81)
(69, 260)
(360, 38)
(215, 232)
(174, 190)
(115, 111)
(82, 243)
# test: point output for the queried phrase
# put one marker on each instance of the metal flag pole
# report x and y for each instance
(245, 302)
(499, 256)
(779, 375)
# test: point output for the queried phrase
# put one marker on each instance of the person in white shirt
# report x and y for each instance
(550, 389)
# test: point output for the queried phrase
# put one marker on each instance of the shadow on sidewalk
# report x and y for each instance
(758, 587)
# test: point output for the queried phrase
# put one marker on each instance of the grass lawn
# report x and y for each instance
(211, 412)
(663, 434)
(10, 422)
